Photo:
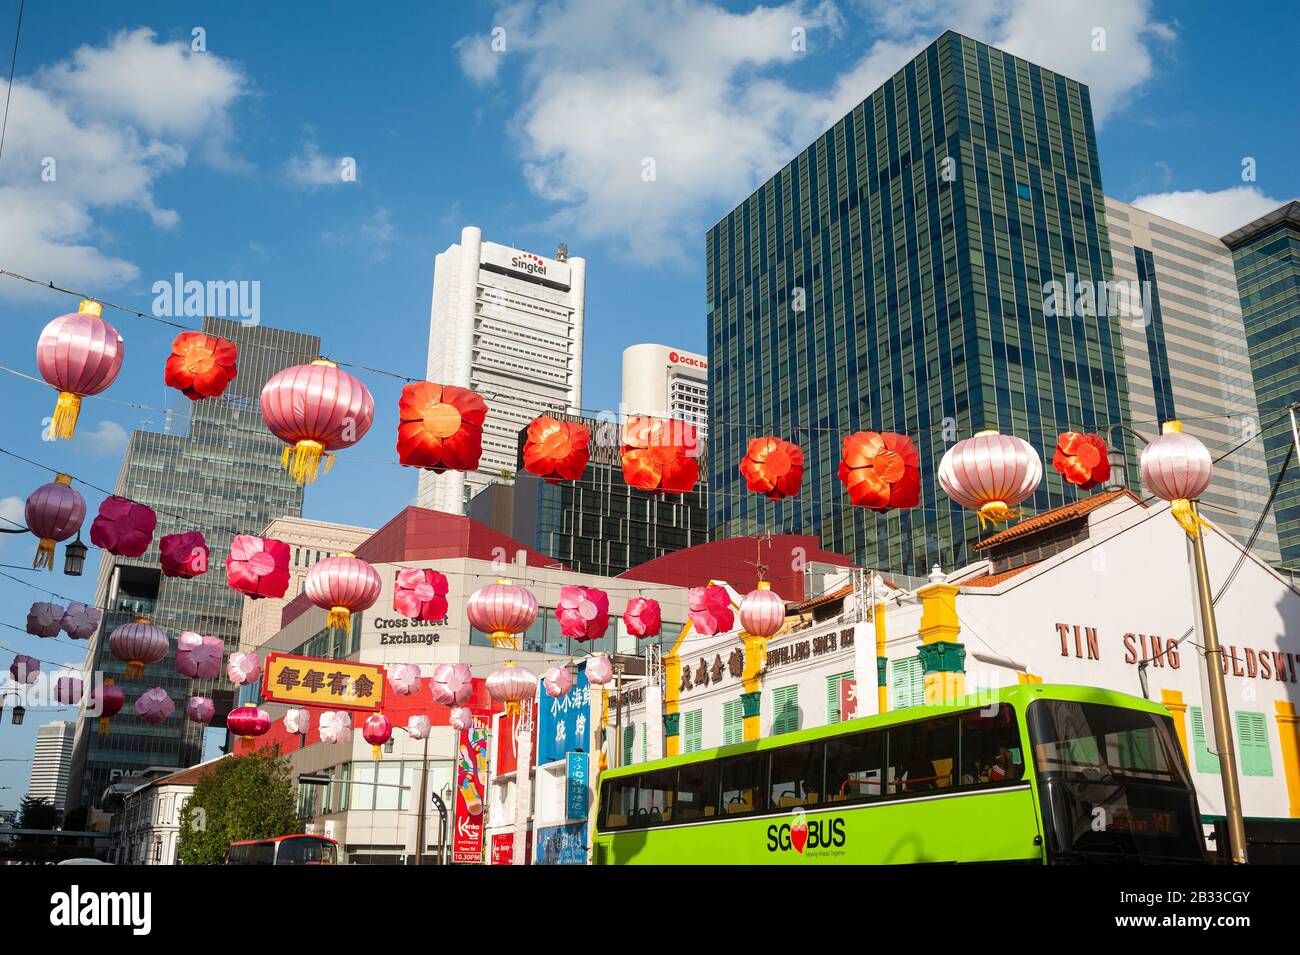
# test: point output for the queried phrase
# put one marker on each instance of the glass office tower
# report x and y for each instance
(223, 476)
(1266, 254)
(895, 276)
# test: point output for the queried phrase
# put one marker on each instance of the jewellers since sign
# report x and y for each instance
(387, 638)
(699, 673)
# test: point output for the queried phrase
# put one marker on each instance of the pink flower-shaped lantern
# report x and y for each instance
(199, 657)
(154, 706)
(123, 527)
(183, 555)
(258, 566)
(420, 594)
(583, 613)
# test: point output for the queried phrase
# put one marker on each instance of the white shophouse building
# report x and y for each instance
(146, 829)
(1079, 595)
(507, 324)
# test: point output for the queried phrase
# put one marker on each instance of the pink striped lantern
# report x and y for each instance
(54, 512)
(79, 354)
(1176, 467)
(643, 617)
(991, 473)
(583, 613)
(68, 690)
(200, 709)
(377, 730)
(762, 611)
(248, 722)
(502, 610)
(452, 684)
(512, 685)
(343, 585)
(315, 409)
(138, 644)
(154, 706)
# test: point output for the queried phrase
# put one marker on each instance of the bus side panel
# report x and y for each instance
(995, 826)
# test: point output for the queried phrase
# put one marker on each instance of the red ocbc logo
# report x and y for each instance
(799, 834)
(527, 262)
(677, 359)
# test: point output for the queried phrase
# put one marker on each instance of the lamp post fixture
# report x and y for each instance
(19, 711)
(424, 777)
(74, 557)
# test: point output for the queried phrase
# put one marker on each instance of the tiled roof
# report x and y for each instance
(1059, 515)
(190, 776)
(823, 599)
(992, 580)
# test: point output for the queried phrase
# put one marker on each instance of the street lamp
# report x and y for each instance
(74, 557)
(19, 711)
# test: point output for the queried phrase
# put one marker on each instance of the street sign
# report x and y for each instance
(335, 684)
(576, 790)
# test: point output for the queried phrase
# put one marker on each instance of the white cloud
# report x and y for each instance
(97, 133)
(721, 100)
(310, 168)
(1217, 213)
(108, 439)
(375, 234)
(12, 512)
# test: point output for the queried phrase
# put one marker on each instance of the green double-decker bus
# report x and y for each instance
(1029, 773)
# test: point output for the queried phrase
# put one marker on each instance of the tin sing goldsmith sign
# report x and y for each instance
(313, 681)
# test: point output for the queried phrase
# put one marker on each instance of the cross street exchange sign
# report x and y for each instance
(312, 681)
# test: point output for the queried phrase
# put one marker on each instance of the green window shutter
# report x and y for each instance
(692, 731)
(1252, 740)
(906, 683)
(785, 709)
(629, 734)
(733, 723)
(645, 742)
(833, 696)
(1206, 762)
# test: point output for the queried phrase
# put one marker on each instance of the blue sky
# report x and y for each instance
(223, 164)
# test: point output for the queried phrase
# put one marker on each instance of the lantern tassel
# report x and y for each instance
(246, 744)
(1187, 519)
(604, 708)
(66, 410)
(45, 553)
(504, 640)
(513, 708)
(103, 726)
(339, 618)
(306, 463)
(996, 512)
(374, 752)
(134, 670)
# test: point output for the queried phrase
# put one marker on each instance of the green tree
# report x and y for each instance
(245, 797)
(37, 814)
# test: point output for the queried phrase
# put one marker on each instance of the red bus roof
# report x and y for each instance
(296, 835)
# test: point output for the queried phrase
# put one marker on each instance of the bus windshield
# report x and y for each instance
(1114, 783)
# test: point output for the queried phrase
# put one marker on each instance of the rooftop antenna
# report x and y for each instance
(562, 252)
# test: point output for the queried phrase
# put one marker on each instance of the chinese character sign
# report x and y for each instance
(562, 845)
(335, 684)
(576, 790)
(848, 699)
(471, 787)
(562, 721)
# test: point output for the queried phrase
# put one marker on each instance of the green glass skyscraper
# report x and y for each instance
(894, 276)
(1266, 254)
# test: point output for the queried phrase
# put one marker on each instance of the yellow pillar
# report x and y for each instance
(939, 622)
(1290, 739)
(1173, 702)
(945, 677)
(755, 660)
(1028, 678)
(673, 693)
(882, 680)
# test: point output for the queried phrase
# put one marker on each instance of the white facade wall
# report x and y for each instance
(667, 382)
(509, 325)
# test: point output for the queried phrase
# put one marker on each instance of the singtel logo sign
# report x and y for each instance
(527, 262)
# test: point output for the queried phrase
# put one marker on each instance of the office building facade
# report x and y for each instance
(223, 476)
(1266, 254)
(667, 382)
(895, 276)
(51, 763)
(1186, 355)
(507, 324)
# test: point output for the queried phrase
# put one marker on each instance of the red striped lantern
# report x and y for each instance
(315, 409)
(762, 611)
(556, 450)
(248, 722)
(773, 467)
(992, 473)
(54, 513)
(138, 644)
(502, 610)
(68, 690)
(1082, 459)
(1177, 467)
(79, 354)
(200, 366)
(440, 427)
(343, 585)
(106, 700)
(881, 470)
(377, 731)
(512, 685)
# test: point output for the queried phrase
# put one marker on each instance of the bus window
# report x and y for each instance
(305, 850)
(654, 801)
(796, 776)
(744, 784)
(853, 767)
(990, 746)
(921, 755)
(264, 853)
(697, 790)
(619, 804)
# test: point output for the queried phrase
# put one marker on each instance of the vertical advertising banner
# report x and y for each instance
(562, 845)
(562, 722)
(575, 791)
(471, 794)
(848, 699)
(503, 848)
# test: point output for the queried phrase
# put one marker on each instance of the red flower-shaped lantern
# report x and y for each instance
(199, 657)
(773, 467)
(248, 722)
(440, 427)
(79, 354)
(583, 613)
(377, 730)
(643, 617)
(258, 566)
(183, 555)
(710, 609)
(660, 455)
(556, 450)
(154, 706)
(1082, 459)
(79, 621)
(138, 645)
(502, 610)
(762, 611)
(420, 594)
(881, 470)
(54, 513)
(106, 700)
(123, 527)
(200, 366)
(992, 473)
(315, 409)
(343, 585)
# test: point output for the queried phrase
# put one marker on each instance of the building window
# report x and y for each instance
(833, 696)
(906, 683)
(1206, 762)
(733, 723)
(629, 734)
(157, 852)
(785, 709)
(1252, 739)
(692, 726)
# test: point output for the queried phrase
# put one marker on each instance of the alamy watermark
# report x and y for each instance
(1120, 298)
(239, 300)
